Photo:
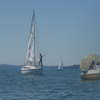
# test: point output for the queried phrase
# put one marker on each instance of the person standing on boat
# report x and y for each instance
(40, 59)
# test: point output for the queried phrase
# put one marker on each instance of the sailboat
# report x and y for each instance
(60, 66)
(31, 67)
(90, 67)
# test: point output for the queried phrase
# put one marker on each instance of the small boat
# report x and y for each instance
(90, 67)
(60, 67)
(31, 67)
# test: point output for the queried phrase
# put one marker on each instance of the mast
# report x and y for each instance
(33, 33)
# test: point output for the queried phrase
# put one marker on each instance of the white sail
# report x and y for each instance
(60, 67)
(30, 59)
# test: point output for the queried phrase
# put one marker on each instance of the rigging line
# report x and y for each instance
(38, 49)
(38, 46)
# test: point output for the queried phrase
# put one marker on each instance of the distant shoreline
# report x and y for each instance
(44, 65)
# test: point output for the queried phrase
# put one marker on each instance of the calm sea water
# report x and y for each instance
(52, 85)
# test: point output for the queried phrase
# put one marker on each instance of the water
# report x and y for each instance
(52, 85)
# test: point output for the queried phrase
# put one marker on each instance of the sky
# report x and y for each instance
(67, 30)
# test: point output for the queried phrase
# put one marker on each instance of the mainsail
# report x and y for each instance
(30, 59)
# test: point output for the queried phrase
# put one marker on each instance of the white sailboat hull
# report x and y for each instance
(32, 70)
(91, 74)
(60, 69)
